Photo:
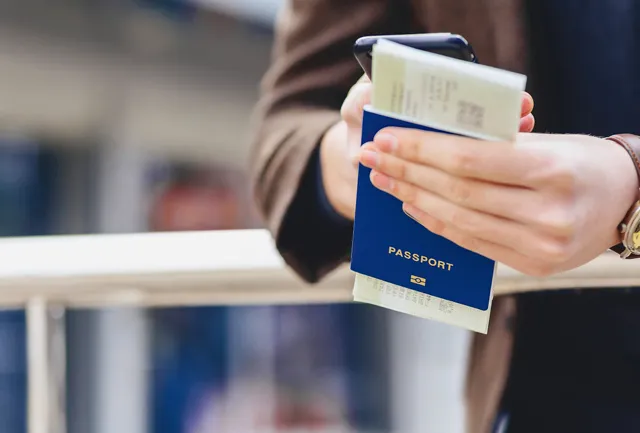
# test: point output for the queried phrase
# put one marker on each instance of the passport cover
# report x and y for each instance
(392, 247)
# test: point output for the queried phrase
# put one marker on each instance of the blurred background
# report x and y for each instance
(129, 116)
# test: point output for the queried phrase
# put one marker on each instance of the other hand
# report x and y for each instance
(542, 204)
(340, 147)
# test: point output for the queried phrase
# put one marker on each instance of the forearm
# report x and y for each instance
(285, 185)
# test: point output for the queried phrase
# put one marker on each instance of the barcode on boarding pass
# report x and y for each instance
(470, 115)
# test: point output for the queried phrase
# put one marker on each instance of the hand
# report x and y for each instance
(339, 150)
(543, 204)
(340, 147)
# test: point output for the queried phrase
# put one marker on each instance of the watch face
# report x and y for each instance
(631, 239)
(636, 240)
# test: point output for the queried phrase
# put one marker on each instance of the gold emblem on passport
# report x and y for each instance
(418, 280)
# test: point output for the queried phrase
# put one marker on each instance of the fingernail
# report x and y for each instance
(407, 213)
(369, 158)
(386, 142)
(412, 211)
(381, 181)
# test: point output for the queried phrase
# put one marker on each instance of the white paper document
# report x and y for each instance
(377, 292)
(448, 94)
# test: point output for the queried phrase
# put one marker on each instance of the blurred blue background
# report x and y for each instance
(122, 116)
(114, 115)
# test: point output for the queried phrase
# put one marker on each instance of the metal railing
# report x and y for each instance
(46, 275)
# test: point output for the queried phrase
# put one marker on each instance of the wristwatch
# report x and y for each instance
(629, 247)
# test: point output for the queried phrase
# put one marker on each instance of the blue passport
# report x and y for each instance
(390, 246)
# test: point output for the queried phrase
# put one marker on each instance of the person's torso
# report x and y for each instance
(577, 353)
(576, 358)
(494, 27)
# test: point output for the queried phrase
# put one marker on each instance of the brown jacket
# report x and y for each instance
(312, 71)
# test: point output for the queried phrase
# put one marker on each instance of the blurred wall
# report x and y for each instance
(180, 89)
(133, 84)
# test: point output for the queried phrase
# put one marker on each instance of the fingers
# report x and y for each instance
(527, 104)
(471, 223)
(492, 161)
(527, 123)
(487, 248)
(512, 203)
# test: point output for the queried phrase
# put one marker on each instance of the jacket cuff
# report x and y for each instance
(307, 235)
(313, 235)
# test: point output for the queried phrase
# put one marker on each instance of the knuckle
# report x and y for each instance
(463, 220)
(556, 252)
(412, 144)
(459, 190)
(412, 148)
(348, 112)
(539, 270)
(345, 111)
(560, 222)
(469, 243)
(461, 238)
(541, 171)
(464, 161)
(405, 192)
(436, 227)
(402, 169)
(563, 177)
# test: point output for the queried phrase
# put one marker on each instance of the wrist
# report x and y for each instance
(627, 170)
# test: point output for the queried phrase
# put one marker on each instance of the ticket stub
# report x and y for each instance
(447, 94)
(404, 300)
(430, 92)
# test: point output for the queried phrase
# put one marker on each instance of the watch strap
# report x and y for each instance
(630, 143)
(619, 249)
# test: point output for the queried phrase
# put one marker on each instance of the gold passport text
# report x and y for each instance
(408, 255)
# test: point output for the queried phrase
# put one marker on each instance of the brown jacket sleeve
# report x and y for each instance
(311, 72)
